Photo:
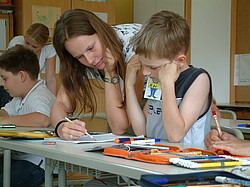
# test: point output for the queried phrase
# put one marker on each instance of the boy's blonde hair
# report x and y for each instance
(164, 35)
(39, 33)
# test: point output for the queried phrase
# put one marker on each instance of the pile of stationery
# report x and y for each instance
(146, 150)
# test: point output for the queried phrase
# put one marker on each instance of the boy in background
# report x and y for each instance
(180, 110)
(31, 105)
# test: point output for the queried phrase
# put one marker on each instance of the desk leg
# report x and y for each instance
(49, 172)
(61, 175)
(6, 167)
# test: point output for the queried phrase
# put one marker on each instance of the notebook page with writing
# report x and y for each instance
(106, 137)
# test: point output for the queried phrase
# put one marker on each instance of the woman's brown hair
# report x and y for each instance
(73, 74)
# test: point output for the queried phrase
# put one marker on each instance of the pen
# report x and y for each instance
(122, 140)
(85, 132)
(244, 125)
(217, 123)
(139, 142)
(148, 146)
(222, 179)
(8, 126)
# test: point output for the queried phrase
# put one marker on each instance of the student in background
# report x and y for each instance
(89, 47)
(183, 113)
(37, 38)
(30, 106)
(227, 142)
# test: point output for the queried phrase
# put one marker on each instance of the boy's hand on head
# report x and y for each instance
(133, 67)
(170, 73)
(110, 63)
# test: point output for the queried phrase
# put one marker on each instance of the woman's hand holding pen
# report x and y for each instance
(213, 137)
(72, 131)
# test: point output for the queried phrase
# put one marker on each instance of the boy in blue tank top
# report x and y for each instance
(180, 108)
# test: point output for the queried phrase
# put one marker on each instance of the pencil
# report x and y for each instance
(85, 132)
(217, 123)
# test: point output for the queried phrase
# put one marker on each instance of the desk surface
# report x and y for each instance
(75, 154)
(234, 124)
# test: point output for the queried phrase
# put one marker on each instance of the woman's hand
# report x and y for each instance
(213, 136)
(238, 147)
(110, 64)
(133, 68)
(71, 130)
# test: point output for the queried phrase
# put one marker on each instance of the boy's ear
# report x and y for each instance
(182, 60)
(23, 75)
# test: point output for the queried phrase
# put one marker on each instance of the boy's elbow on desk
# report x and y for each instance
(174, 138)
(45, 122)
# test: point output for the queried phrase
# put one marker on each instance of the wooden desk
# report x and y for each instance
(75, 154)
(242, 110)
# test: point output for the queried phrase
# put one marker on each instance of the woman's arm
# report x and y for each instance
(59, 111)
(50, 69)
(114, 106)
(134, 111)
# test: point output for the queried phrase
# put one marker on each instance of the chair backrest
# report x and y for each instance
(231, 113)
(236, 132)
(97, 124)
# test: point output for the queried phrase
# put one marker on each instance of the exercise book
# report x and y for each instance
(99, 137)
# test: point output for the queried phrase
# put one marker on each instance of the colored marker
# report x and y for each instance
(150, 141)
(8, 126)
(147, 146)
(122, 140)
(229, 180)
(244, 125)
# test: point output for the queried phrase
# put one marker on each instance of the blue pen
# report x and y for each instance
(243, 125)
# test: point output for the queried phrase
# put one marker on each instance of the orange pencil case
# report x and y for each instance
(153, 155)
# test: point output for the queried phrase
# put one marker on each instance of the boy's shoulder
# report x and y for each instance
(40, 91)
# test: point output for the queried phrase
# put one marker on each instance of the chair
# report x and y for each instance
(230, 112)
(97, 124)
(236, 132)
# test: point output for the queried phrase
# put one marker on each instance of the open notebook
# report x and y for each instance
(105, 137)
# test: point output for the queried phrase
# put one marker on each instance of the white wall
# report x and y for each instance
(143, 9)
(210, 36)
(210, 43)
